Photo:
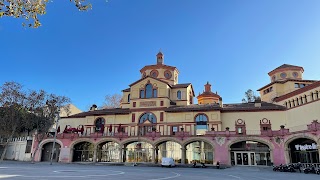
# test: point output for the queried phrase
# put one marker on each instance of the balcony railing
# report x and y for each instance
(133, 131)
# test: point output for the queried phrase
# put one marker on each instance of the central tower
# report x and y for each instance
(161, 71)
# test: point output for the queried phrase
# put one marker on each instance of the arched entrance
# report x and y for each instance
(303, 150)
(199, 151)
(83, 152)
(46, 152)
(169, 149)
(138, 152)
(108, 152)
(250, 153)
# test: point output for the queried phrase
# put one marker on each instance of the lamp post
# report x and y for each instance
(55, 135)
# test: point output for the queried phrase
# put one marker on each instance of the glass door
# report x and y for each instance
(245, 159)
(253, 162)
(238, 158)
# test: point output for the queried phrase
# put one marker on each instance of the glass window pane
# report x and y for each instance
(148, 91)
(141, 93)
(179, 94)
(155, 93)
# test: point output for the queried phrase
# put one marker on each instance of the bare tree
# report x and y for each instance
(250, 96)
(31, 9)
(12, 102)
(112, 101)
(22, 112)
(46, 109)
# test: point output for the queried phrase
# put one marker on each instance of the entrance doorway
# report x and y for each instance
(250, 153)
(138, 152)
(46, 152)
(304, 151)
(245, 158)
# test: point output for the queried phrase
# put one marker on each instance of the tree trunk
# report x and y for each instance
(39, 140)
(34, 153)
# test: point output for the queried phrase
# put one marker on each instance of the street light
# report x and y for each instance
(55, 135)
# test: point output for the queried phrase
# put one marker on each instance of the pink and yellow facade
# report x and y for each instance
(158, 118)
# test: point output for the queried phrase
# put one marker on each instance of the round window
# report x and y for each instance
(154, 73)
(273, 78)
(283, 75)
(295, 74)
(167, 74)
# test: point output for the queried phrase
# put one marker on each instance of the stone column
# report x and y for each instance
(95, 154)
(121, 150)
(183, 155)
(153, 154)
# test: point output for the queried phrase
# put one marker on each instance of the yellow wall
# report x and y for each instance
(252, 119)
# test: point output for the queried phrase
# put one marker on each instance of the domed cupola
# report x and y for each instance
(208, 97)
(286, 71)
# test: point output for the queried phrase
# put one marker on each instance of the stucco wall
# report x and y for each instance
(252, 119)
(302, 115)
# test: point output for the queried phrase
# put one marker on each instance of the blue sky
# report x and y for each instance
(232, 44)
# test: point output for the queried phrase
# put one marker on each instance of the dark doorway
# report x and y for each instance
(46, 152)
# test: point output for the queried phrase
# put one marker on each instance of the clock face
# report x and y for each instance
(167, 74)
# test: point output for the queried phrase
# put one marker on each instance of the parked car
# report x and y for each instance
(167, 162)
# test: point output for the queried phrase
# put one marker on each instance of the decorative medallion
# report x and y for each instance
(220, 140)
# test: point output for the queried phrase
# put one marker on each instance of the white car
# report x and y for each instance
(168, 162)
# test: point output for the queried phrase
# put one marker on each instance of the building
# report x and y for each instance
(19, 148)
(158, 118)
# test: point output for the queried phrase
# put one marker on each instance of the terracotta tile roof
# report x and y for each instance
(209, 94)
(151, 78)
(286, 66)
(126, 90)
(298, 91)
(194, 107)
(251, 107)
(284, 81)
(101, 112)
(158, 66)
(181, 85)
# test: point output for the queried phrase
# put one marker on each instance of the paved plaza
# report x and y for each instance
(44, 171)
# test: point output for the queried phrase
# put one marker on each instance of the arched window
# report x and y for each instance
(317, 95)
(301, 100)
(311, 94)
(179, 94)
(99, 124)
(128, 97)
(201, 124)
(298, 102)
(148, 92)
(146, 127)
(148, 117)
(286, 104)
(305, 98)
